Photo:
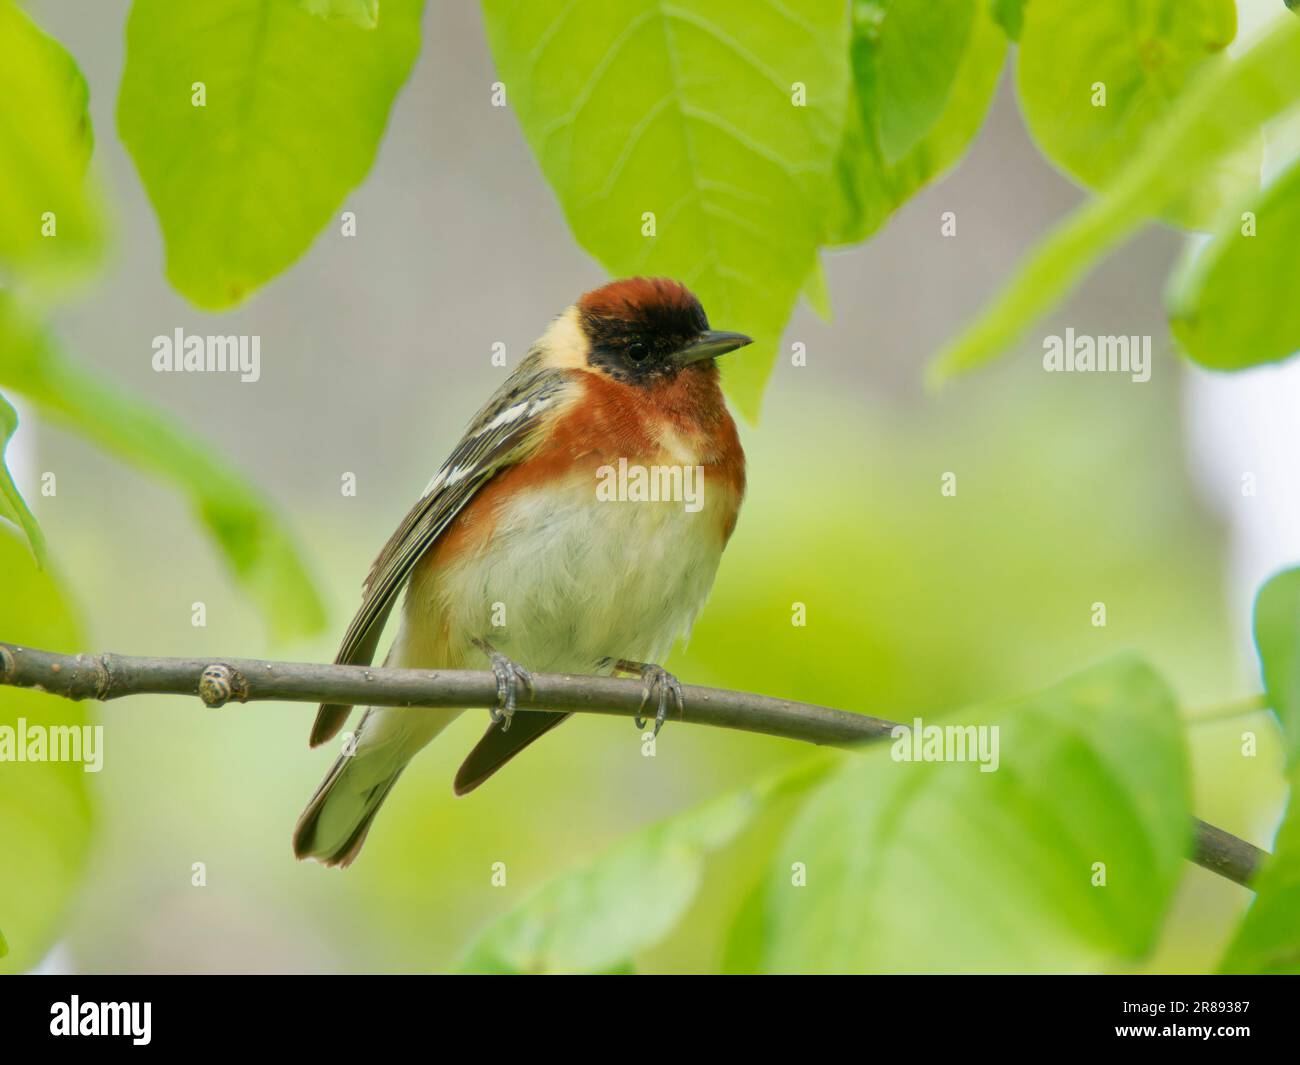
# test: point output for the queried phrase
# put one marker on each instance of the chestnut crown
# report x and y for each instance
(645, 329)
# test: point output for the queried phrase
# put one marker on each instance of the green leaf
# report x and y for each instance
(363, 13)
(1223, 107)
(910, 51)
(578, 923)
(1277, 637)
(817, 293)
(1010, 15)
(294, 110)
(12, 505)
(926, 866)
(1268, 940)
(868, 188)
(45, 809)
(258, 548)
(1143, 53)
(1233, 305)
(743, 951)
(45, 144)
(687, 113)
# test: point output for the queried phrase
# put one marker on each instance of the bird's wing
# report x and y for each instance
(505, 431)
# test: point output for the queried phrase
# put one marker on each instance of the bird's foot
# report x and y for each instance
(508, 673)
(658, 681)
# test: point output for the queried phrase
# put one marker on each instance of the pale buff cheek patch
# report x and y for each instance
(563, 344)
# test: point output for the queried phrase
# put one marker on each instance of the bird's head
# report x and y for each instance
(644, 330)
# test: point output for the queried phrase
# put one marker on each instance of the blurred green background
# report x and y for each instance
(375, 352)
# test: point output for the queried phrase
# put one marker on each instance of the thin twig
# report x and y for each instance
(110, 676)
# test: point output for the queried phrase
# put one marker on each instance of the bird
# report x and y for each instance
(530, 551)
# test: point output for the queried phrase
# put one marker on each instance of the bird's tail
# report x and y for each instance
(334, 825)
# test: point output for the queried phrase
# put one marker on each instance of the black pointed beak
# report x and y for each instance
(708, 345)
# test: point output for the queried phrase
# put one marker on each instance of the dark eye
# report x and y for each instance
(636, 351)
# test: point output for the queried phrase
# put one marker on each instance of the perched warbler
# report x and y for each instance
(513, 554)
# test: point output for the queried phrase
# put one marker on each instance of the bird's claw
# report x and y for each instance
(508, 674)
(656, 679)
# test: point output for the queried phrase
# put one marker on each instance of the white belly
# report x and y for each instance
(568, 583)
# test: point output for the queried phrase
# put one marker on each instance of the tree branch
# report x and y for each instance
(110, 676)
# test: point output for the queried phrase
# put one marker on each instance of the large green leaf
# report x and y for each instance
(1144, 53)
(45, 813)
(579, 922)
(869, 188)
(912, 50)
(1010, 15)
(1268, 940)
(1234, 303)
(687, 112)
(1223, 107)
(1277, 637)
(295, 108)
(924, 866)
(48, 221)
(364, 13)
(258, 548)
(12, 505)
